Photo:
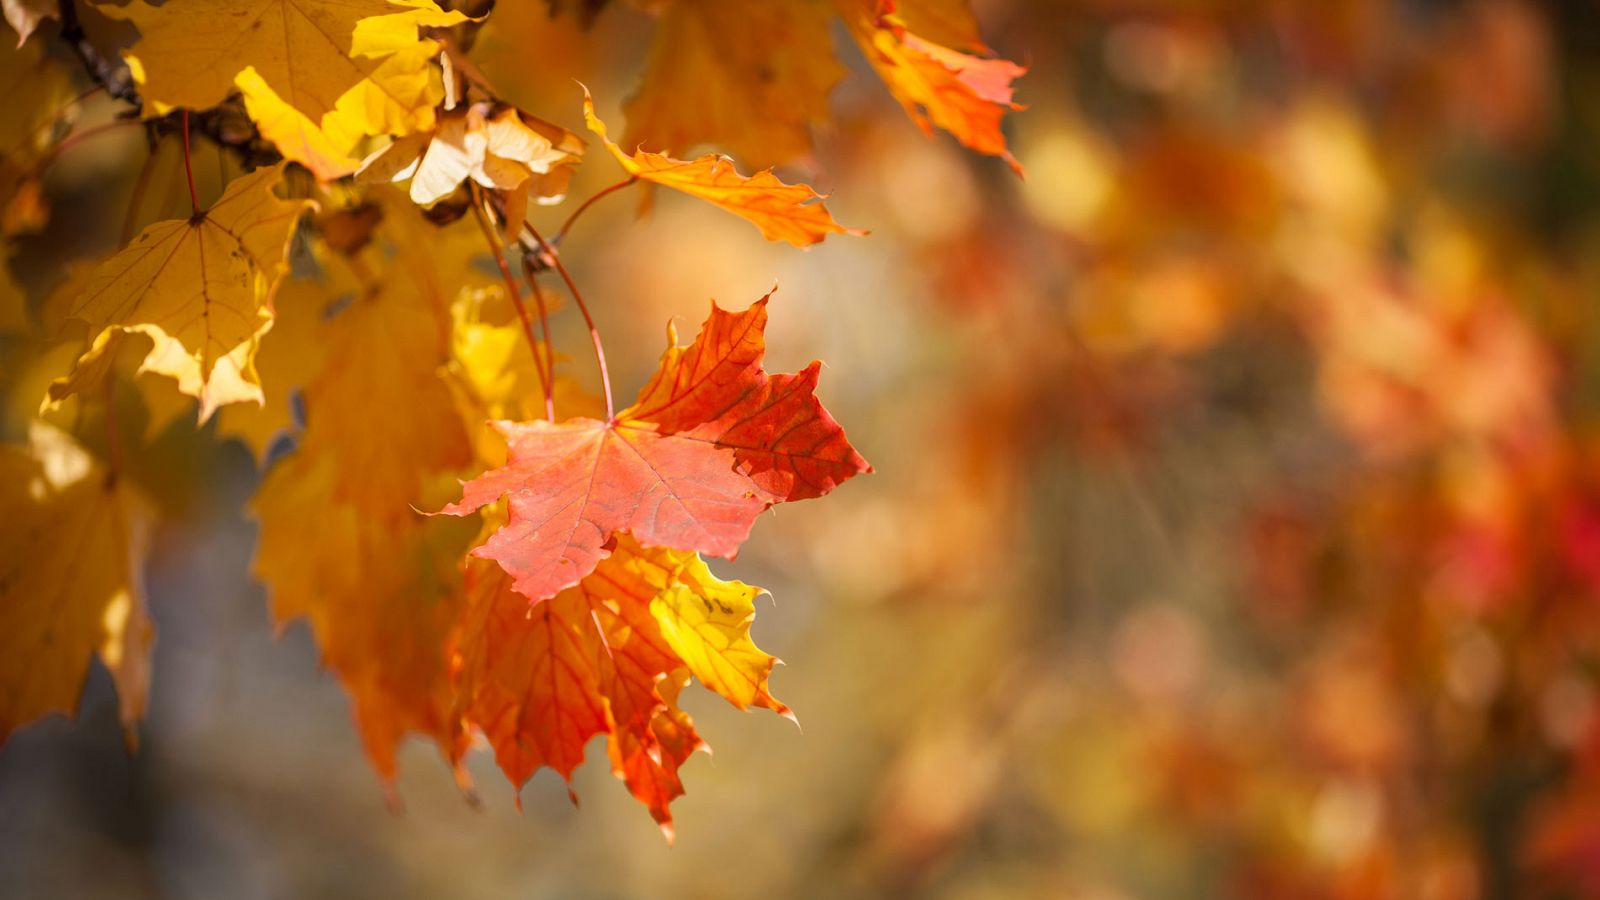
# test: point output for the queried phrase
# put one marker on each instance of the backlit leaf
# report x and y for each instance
(70, 581)
(783, 212)
(711, 443)
(200, 289)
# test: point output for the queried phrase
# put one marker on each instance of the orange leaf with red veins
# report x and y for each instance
(711, 443)
(649, 763)
(541, 680)
(781, 436)
(525, 677)
(963, 94)
(783, 212)
(575, 484)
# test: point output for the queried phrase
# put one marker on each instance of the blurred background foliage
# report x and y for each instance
(1236, 530)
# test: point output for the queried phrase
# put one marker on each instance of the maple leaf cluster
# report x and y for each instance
(327, 306)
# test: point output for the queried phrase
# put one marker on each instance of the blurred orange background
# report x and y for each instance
(1235, 530)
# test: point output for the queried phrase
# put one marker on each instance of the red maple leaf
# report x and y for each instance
(711, 442)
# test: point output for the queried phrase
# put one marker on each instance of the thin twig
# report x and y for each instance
(567, 225)
(113, 76)
(226, 124)
(544, 329)
(554, 259)
(78, 137)
(493, 239)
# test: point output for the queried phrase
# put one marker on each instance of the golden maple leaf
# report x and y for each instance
(317, 75)
(199, 288)
(70, 581)
(341, 544)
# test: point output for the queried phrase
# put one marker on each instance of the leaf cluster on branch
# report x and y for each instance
(329, 294)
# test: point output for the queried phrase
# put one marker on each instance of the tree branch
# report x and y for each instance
(225, 124)
(113, 76)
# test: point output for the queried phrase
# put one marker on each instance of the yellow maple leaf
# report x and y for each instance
(341, 542)
(398, 98)
(295, 135)
(289, 356)
(783, 212)
(706, 621)
(70, 581)
(496, 373)
(118, 354)
(189, 53)
(317, 76)
(199, 288)
(756, 89)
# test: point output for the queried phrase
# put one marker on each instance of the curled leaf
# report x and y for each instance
(495, 145)
(783, 212)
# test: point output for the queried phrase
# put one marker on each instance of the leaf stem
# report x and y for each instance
(140, 184)
(115, 77)
(78, 137)
(188, 167)
(493, 239)
(544, 328)
(567, 225)
(554, 259)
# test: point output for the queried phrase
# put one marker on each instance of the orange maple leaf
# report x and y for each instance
(783, 212)
(963, 94)
(603, 657)
(711, 442)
